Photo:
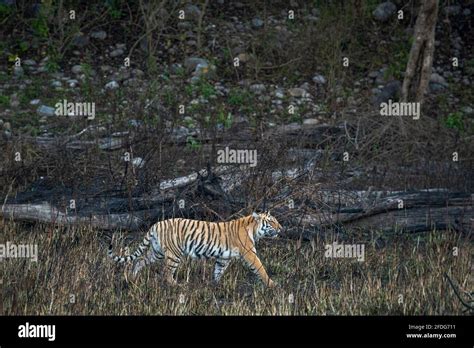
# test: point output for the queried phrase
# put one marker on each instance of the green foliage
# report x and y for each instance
(238, 97)
(189, 123)
(201, 87)
(114, 10)
(206, 89)
(169, 97)
(52, 66)
(4, 100)
(193, 144)
(5, 11)
(225, 119)
(400, 55)
(40, 27)
(23, 46)
(454, 120)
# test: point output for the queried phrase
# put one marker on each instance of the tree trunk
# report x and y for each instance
(418, 72)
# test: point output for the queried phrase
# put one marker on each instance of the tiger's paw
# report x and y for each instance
(272, 284)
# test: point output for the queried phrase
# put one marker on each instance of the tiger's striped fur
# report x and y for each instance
(174, 239)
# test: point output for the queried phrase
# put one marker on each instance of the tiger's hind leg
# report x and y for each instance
(172, 262)
(150, 257)
(219, 268)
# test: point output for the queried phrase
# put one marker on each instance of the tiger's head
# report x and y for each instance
(267, 225)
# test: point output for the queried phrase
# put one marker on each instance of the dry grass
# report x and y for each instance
(73, 263)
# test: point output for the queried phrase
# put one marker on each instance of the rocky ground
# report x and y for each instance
(229, 74)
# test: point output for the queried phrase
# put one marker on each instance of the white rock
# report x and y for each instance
(116, 53)
(319, 79)
(99, 35)
(76, 69)
(138, 162)
(297, 92)
(45, 110)
(112, 85)
(437, 78)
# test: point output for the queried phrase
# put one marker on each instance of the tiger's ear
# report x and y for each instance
(256, 216)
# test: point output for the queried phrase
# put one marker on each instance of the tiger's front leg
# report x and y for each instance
(256, 266)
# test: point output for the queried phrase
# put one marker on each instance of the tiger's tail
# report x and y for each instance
(144, 245)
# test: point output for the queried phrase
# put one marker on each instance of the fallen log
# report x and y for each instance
(391, 211)
(384, 211)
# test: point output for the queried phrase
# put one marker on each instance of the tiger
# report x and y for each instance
(174, 239)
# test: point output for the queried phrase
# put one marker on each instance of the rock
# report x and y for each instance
(134, 123)
(311, 121)
(76, 69)
(277, 102)
(297, 92)
(191, 43)
(380, 79)
(192, 12)
(305, 86)
(44, 110)
(35, 101)
(116, 53)
(457, 46)
(29, 62)
(180, 132)
(80, 40)
(42, 69)
(243, 57)
(106, 68)
(7, 134)
(467, 110)
(373, 74)
(384, 11)
(319, 79)
(279, 93)
(99, 35)
(258, 88)
(112, 85)
(257, 23)
(1, 123)
(122, 74)
(390, 91)
(7, 126)
(138, 73)
(437, 78)
(192, 62)
(132, 82)
(56, 84)
(138, 162)
(452, 10)
(14, 102)
(72, 83)
(203, 70)
(18, 71)
(466, 12)
(184, 25)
